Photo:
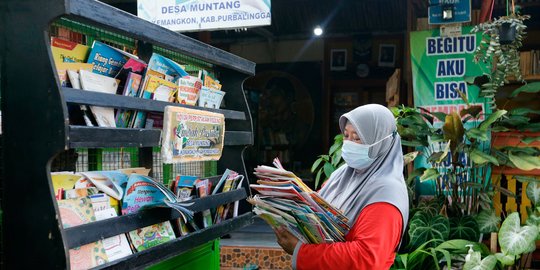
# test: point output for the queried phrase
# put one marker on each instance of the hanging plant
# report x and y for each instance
(498, 51)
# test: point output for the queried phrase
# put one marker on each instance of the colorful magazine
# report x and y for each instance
(210, 98)
(131, 89)
(167, 67)
(188, 90)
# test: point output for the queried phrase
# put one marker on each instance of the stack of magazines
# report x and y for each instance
(284, 200)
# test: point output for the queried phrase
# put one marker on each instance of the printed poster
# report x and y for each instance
(197, 15)
(192, 135)
(439, 68)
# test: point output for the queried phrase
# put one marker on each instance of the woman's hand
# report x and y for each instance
(285, 239)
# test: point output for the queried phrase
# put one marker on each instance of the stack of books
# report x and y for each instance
(285, 200)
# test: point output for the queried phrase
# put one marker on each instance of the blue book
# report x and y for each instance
(167, 67)
(107, 60)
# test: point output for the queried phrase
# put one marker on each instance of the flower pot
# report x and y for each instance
(507, 33)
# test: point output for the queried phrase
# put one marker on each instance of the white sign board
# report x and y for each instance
(196, 15)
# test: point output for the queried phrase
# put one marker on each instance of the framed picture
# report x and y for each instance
(338, 59)
(387, 55)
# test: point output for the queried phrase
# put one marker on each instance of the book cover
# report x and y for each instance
(132, 66)
(79, 192)
(98, 83)
(74, 212)
(107, 60)
(166, 66)
(151, 236)
(105, 184)
(211, 82)
(75, 81)
(67, 51)
(210, 98)
(131, 89)
(116, 247)
(188, 90)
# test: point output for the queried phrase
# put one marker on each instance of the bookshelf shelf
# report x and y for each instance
(88, 233)
(179, 245)
(100, 137)
(83, 97)
(36, 128)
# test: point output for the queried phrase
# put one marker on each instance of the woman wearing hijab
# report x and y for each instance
(371, 192)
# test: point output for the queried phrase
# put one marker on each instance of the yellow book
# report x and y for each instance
(67, 51)
(159, 89)
(63, 181)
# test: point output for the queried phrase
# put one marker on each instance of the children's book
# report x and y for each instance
(131, 89)
(211, 82)
(151, 236)
(107, 60)
(210, 98)
(116, 247)
(203, 190)
(188, 90)
(132, 66)
(80, 192)
(99, 83)
(167, 67)
(74, 212)
(67, 51)
(157, 89)
(105, 184)
(62, 181)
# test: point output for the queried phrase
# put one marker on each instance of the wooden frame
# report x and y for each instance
(338, 59)
(387, 55)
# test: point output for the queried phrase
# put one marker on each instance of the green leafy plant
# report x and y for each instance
(424, 227)
(499, 60)
(325, 165)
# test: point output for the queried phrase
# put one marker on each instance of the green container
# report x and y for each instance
(204, 257)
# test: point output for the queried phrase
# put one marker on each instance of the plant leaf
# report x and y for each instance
(474, 111)
(533, 193)
(478, 134)
(429, 174)
(529, 140)
(480, 157)
(464, 227)
(488, 221)
(328, 169)
(413, 143)
(506, 260)
(410, 157)
(318, 178)
(491, 119)
(316, 164)
(524, 161)
(533, 87)
(417, 172)
(453, 130)
(514, 239)
(527, 179)
(423, 227)
(476, 263)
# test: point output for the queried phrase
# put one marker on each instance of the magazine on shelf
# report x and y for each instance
(131, 89)
(172, 70)
(116, 247)
(188, 90)
(284, 198)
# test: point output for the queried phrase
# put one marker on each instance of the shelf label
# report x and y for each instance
(187, 15)
(191, 135)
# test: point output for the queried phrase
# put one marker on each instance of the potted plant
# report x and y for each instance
(498, 52)
(325, 165)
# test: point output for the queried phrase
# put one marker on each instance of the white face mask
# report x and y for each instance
(356, 155)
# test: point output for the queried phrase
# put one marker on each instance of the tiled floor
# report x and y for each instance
(253, 245)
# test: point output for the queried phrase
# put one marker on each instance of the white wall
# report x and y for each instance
(283, 51)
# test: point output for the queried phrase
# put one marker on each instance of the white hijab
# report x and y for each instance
(350, 190)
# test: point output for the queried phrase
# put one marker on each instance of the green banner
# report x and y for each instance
(440, 66)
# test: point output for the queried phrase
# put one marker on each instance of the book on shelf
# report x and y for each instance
(230, 180)
(106, 184)
(74, 212)
(116, 247)
(210, 98)
(171, 70)
(107, 60)
(68, 51)
(131, 89)
(157, 89)
(188, 90)
(285, 200)
(203, 189)
(99, 83)
(132, 66)
(75, 81)
(62, 181)
(63, 68)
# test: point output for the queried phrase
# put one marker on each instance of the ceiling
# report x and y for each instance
(295, 19)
